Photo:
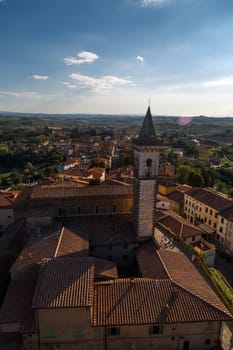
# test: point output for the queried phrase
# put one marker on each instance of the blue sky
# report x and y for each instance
(110, 56)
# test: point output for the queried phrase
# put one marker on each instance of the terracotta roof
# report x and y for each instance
(37, 252)
(147, 301)
(165, 264)
(227, 213)
(5, 202)
(67, 242)
(50, 192)
(149, 262)
(72, 242)
(180, 227)
(189, 278)
(210, 197)
(105, 268)
(65, 282)
(17, 302)
(177, 196)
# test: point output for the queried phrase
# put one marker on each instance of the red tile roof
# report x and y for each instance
(65, 282)
(178, 226)
(54, 192)
(105, 269)
(210, 197)
(179, 270)
(17, 302)
(147, 301)
(67, 242)
(5, 202)
(188, 277)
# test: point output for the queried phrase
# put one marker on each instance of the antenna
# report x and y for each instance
(149, 101)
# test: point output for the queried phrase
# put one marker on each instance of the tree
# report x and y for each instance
(182, 174)
(195, 179)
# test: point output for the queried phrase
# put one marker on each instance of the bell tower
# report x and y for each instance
(146, 161)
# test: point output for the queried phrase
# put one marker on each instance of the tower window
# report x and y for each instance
(148, 167)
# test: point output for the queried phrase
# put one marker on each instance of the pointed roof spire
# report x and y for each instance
(147, 134)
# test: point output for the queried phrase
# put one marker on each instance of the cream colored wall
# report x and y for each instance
(66, 324)
(64, 321)
(195, 209)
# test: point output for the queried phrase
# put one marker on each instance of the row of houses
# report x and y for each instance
(208, 209)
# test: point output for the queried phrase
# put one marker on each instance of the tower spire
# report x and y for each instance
(147, 134)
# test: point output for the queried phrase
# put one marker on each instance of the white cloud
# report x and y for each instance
(152, 2)
(82, 57)
(3, 2)
(221, 82)
(107, 82)
(24, 94)
(140, 58)
(69, 85)
(39, 77)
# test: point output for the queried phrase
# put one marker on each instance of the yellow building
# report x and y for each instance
(202, 205)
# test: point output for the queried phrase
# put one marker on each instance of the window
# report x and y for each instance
(215, 225)
(205, 219)
(211, 211)
(210, 222)
(113, 331)
(79, 210)
(222, 220)
(200, 209)
(148, 167)
(97, 209)
(220, 229)
(206, 210)
(113, 208)
(155, 330)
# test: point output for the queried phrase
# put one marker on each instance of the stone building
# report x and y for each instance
(146, 162)
(66, 294)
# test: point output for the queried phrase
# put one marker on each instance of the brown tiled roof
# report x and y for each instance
(5, 202)
(50, 192)
(17, 302)
(177, 196)
(37, 252)
(65, 282)
(227, 213)
(147, 301)
(67, 242)
(149, 262)
(210, 197)
(72, 241)
(180, 227)
(165, 264)
(105, 268)
(183, 272)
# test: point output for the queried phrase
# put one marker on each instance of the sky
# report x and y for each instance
(117, 56)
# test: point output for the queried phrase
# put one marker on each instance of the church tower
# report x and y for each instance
(146, 163)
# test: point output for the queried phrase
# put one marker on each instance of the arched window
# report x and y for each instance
(148, 167)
